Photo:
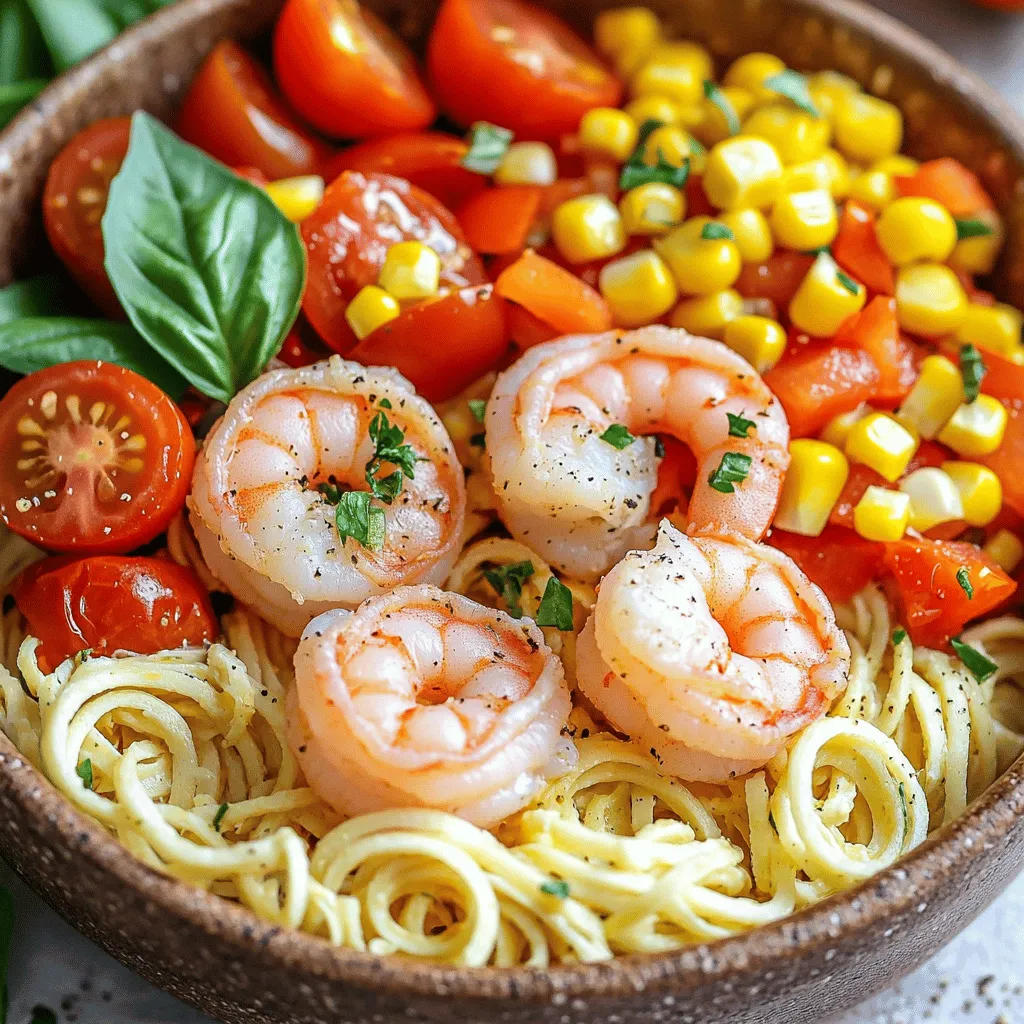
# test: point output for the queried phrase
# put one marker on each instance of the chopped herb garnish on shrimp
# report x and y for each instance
(556, 606)
(478, 407)
(898, 637)
(508, 581)
(357, 517)
(618, 436)
(740, 426)
(733, 469)
(389, 440)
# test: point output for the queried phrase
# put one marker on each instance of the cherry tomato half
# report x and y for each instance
(74, 199)
(346, 72)
(515, 65)
(348, 236)
(109, 603)
(94, 459)
(233, 112)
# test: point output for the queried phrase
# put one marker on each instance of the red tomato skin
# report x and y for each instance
(108, 603)
(75, 234)
(157, 491)
(498, 221)
(233, 112)
(347, 238)
(876, 330)
(526, 330)
(431, 161)
(949, 183)
(935, 606)
(475, 79)
(839, 561)
(472, 323)
(857, 250)
(320, 78)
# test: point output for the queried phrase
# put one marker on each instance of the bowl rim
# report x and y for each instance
(908, 885)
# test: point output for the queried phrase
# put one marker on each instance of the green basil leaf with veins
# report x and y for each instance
(208, 269)
(35, 296)
(35, 342)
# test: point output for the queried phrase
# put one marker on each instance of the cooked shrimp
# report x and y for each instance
(710, 651)
(423, 698)
(581, 502)
(269, 533)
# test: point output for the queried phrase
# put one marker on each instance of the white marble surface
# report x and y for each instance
(977, 979)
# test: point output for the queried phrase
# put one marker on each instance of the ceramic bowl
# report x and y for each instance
(237, 968)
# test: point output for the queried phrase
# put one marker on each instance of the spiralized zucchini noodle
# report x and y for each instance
(183, 757)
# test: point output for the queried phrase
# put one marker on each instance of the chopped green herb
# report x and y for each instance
(556, 606)
(219, 816)
(733, 469)
(331, 492)
(659, 448)
(385, 403)
(636, 171)
(556, 887)
(84, 772)
(478, 406)
(972, 371)
(740, 426)
(696, 149)
(906, 812)
(6, 934)
(359, 519)
(977, 664)
(716, 229)
(478, 440)
(720, 100)
(388, 439)
(847, 282)
(793, 86)
(963, 577)
(488, 145)
(83, 656)
(898, 636)
(507, 581)
(973, 228)
(618, 436)
(826, 249)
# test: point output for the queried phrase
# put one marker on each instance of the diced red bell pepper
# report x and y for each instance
(499, 220)
(948, 182)
(857, 250)
(777, 278)
(876, 330)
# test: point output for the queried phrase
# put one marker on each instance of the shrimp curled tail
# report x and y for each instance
(710, 651)
(423, 698)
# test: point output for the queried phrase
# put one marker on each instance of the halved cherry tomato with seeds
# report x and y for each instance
(348, 235)
(108, 603)
(74, 199)
(517, 66)
(98, 460)
(346, 72)
(233, 112)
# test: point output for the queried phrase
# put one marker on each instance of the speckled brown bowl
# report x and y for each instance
(238, 968)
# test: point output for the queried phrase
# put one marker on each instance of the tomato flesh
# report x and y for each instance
(776, 279)
(109, 603)
(857, 250)
(347, 238)
(839, 561)
(74, 199)
(876, 330)
(98, 460)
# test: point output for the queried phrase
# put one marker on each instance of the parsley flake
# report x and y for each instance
(976, 663)
(973, 228)
(733, 469)
(972, 371)
(488, 145)
(898, 636)
(906, 812)
(963, 577)
(715, 229)
(219, 816)
(618, 436)
(385, 403)
(637, 171)
(84, 772)
(720, 100)
(557, 887)
(740, 426)
(477, 406)
(507, 581)
(358, 518)
(793, 86)
(389, 446)
(555, 606)
(847, 282)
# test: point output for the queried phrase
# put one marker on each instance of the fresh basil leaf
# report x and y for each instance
(6, 935)
(209, 270)
(556, 887)
(963, 577)
(618, 436)
(973, 228)
(976, 663)
(359, 519)
(720, 100)
(507, 581)
(488, 144)
(478, 407)
(847, 282)
(22, 50)
(555, 607)
(14, 97)
(84, 772)
(35, 296)
(35, 342)
(733, 469)
(73, 29)
(898, 636)
(714, 230)
(972, 371)
(740, 426)
(793, 86)
(218, 818)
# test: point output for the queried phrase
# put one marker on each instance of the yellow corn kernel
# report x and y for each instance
(1005, 549)
(934, 498)
(750, 71)
(978, 255)
(882, 443)
(654, 108)
(752, 234)
(825, 298)
(411, 270)
(805, 220)
(898, 165)
(882, 514)
(588, 228)
(828, 171)
(674, 146)
(686, 53)
(527, 163)
(665, 74)
(867, 128)
(981, 493)
(840, 171)
(977, 428)
(369, 309)
(708, 315)
(652, 209)
(873, 188)
(837, 430)
(297, 197)
(743, 171)
(796, 136)
(996, 328)
(626, 28)
(816, 477)
(914, 229)
(759, 339)
(608, 131)
(712, 126)
(935, 396)
(638, 287)
(700, 265)
(827, 88)
(930, 300)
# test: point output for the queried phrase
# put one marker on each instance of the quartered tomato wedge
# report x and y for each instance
(97, 460)
(74, 199)
(348, 236)
(517, 66)
(234, 113)
(109, 603)
(346, 72)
